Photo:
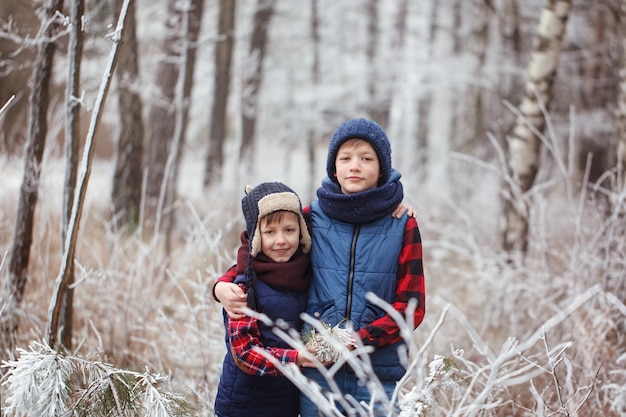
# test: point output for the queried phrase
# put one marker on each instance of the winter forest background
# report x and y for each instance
(123, 166)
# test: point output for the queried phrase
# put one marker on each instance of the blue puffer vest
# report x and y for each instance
(350, 260)
(242, 395)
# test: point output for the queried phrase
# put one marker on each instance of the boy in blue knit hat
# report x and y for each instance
(359, 247)
(273, 270)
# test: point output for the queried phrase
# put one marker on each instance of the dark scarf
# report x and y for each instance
(292, 275)
(362, 207)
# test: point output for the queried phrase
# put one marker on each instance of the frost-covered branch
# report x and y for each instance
(447, 384)
(49, 383)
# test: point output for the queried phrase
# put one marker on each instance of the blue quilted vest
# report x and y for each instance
(350, 260)
(242, 395)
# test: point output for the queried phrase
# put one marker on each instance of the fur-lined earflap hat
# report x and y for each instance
(267, 198)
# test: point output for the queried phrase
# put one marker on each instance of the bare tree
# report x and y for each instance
(252, 78)
(161, 116)
(221, 85)
(510, 33)
(16, 58)
(72, 130)
(618, 146)
(524, 140)
(69, 249)
(314, 129)
(473, 129)
(426, 99)
(371, 53)
(126, 193)
(397, 46)
(169, 112)
(38, 127)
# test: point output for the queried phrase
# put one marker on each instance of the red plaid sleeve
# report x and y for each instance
(244, 336)
(409, 284)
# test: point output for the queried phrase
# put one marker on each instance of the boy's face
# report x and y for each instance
(280, 236)
(356, 166)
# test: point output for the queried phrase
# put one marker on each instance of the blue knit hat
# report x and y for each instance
(367, 130)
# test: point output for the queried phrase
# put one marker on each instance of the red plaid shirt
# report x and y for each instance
(384, 331)
(244, 336)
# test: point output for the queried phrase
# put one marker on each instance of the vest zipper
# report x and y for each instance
(355, 235)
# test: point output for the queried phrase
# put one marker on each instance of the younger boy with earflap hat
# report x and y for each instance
(273, 269)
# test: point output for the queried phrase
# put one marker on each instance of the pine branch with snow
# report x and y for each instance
(49, 383)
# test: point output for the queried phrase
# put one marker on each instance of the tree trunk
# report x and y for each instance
(69, 249)
(314, 130)
(371, 54)
(223, 60)
(426, 100)
(126, 193)
(472, 131)
(72, 131)
(252, 79)
(618, 145)
(38, 127)
(190, 31)
(511, 50)
(168, 116)
(161, 119)
(617, 151)
(523, 142)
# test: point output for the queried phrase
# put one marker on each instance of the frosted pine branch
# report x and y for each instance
(47, 383)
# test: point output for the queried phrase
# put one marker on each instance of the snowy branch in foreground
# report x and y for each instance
(452, 384)
(47, 383)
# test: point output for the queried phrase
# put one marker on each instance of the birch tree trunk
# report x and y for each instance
(38, 128)
(253, 74)
(221, 85)
(72, 131)
(127, 191)
(523, 142)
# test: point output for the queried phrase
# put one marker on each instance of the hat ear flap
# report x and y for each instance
(255, 243)
(305, 237)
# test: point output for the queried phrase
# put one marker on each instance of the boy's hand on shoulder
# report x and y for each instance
(403, 208)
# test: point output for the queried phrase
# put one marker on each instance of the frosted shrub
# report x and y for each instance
(44, 382)
(444, 380)
(452, 385)
(616, 392)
